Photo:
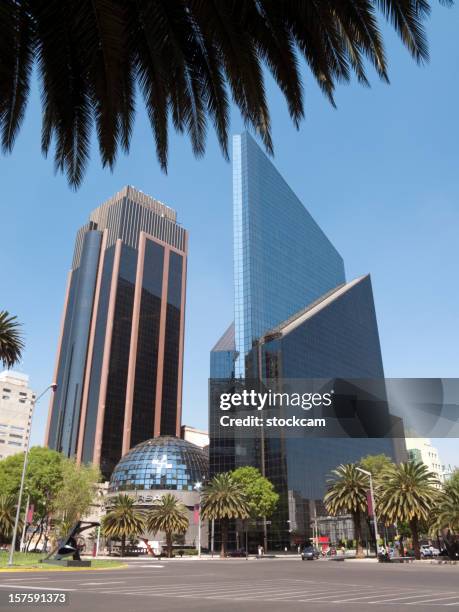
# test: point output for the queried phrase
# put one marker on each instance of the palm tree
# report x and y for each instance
(224, 499)
(447, 511)
(7, 515)
(445, 519)
(11, 344)
(187, 57)
(123, 520)
(169, 515)
(407, 494)
(347, 494)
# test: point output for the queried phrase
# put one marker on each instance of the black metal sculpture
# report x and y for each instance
(68, 546)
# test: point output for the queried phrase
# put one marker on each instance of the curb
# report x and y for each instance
(13, 570)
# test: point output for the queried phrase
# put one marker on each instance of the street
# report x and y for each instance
(257, 584)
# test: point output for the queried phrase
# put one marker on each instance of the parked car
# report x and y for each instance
(427, 551)
(309, 553)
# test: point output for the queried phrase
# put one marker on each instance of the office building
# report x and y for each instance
(195, 436)
(120, 354)
(295, 318)
(282, 259)
(335, 337)
(422, 451)
(159, 466)
(16, 405)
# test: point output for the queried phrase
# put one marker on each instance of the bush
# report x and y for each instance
(188, 552)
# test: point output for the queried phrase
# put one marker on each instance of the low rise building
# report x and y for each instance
(16, 405)
(161, 465)
(199, 437)
(422, 451)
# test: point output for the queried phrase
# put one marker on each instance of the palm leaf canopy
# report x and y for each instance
(168, 514)
(224, 498)
(408, 491)
(346, 491)
(187, 58)
(446, 514)
(8, 505)
(122, 518)
(11, 344)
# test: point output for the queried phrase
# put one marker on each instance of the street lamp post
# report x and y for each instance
(372, 497)
(53, 386)
(212, 538)
(24, 527)
(198, 487)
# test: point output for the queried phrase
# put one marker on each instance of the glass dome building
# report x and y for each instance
(165, 463)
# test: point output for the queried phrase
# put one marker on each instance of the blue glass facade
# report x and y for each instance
(282, 259)
(336, 338)
(294, 315)
(119, 366)
(64, 425)
(165, 463)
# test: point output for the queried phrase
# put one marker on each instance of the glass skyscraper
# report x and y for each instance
(282, 259)
(120, 354)
(295, 317)
(335, 337)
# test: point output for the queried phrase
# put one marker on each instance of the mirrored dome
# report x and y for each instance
(165, 462)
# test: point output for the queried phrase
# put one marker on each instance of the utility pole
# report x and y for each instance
(34, 401)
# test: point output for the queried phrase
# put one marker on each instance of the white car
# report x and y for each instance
(428, 551)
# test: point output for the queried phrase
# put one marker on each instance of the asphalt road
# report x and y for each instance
(236, 584)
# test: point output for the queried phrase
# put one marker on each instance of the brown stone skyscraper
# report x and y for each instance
(120, 354)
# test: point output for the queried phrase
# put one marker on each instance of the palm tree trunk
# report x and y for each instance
(402, 550)
(123, 544)
(169, 544)
(415, 534)
(224, 537)
(358, 535)
(439, 546)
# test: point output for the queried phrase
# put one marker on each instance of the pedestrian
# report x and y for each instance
(259, 550)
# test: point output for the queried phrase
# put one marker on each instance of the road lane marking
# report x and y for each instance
(288, 591)
(192, 586)
(397, 599)
(381, 592)
(36, 588)
(299, 593)
(425, 601)
(25, 579)
(188, 590)
(102, 583)
(232, 590)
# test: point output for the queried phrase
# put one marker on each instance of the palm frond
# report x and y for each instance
(16, 53)
(169, 515)
(11, 343)
(123, 519)
(224, 498)
(8, 505)
(187, 58)
(347, 491)
(408, 491)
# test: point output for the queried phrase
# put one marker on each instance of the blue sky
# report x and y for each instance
(379, 174)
